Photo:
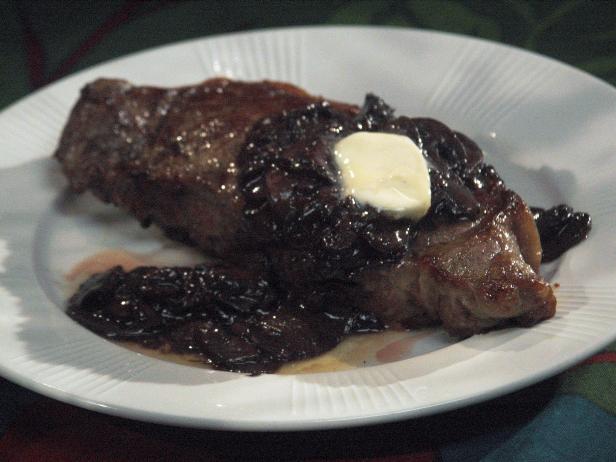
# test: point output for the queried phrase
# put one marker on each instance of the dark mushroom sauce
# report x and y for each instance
(294, 205)
(234, 319)
(286, 303)
(560, 228)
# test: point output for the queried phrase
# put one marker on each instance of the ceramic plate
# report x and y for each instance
(548, 129)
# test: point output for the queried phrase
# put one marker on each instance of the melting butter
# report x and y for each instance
(386, 171)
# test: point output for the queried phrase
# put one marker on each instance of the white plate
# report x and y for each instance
(548, 128)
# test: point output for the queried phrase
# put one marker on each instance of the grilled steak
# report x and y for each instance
(469, 276)
(169, 156)
(471, 264)
(235, 167)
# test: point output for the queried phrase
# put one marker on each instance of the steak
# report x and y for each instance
(236, 167)
(470, 276)
(471, 264)
(169, 156)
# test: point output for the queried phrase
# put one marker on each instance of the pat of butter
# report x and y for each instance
(386, 171)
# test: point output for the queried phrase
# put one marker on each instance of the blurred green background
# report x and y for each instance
(41, 41)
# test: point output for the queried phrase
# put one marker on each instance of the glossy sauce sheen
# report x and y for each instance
(291, 188)
(560, 228)
(243, 319)
(356, 350)
(288, 303)
(233, 318)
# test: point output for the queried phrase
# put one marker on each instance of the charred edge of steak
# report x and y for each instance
(293, 202)
(233, 318)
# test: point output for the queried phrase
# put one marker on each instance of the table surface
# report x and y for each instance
(568, 417)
